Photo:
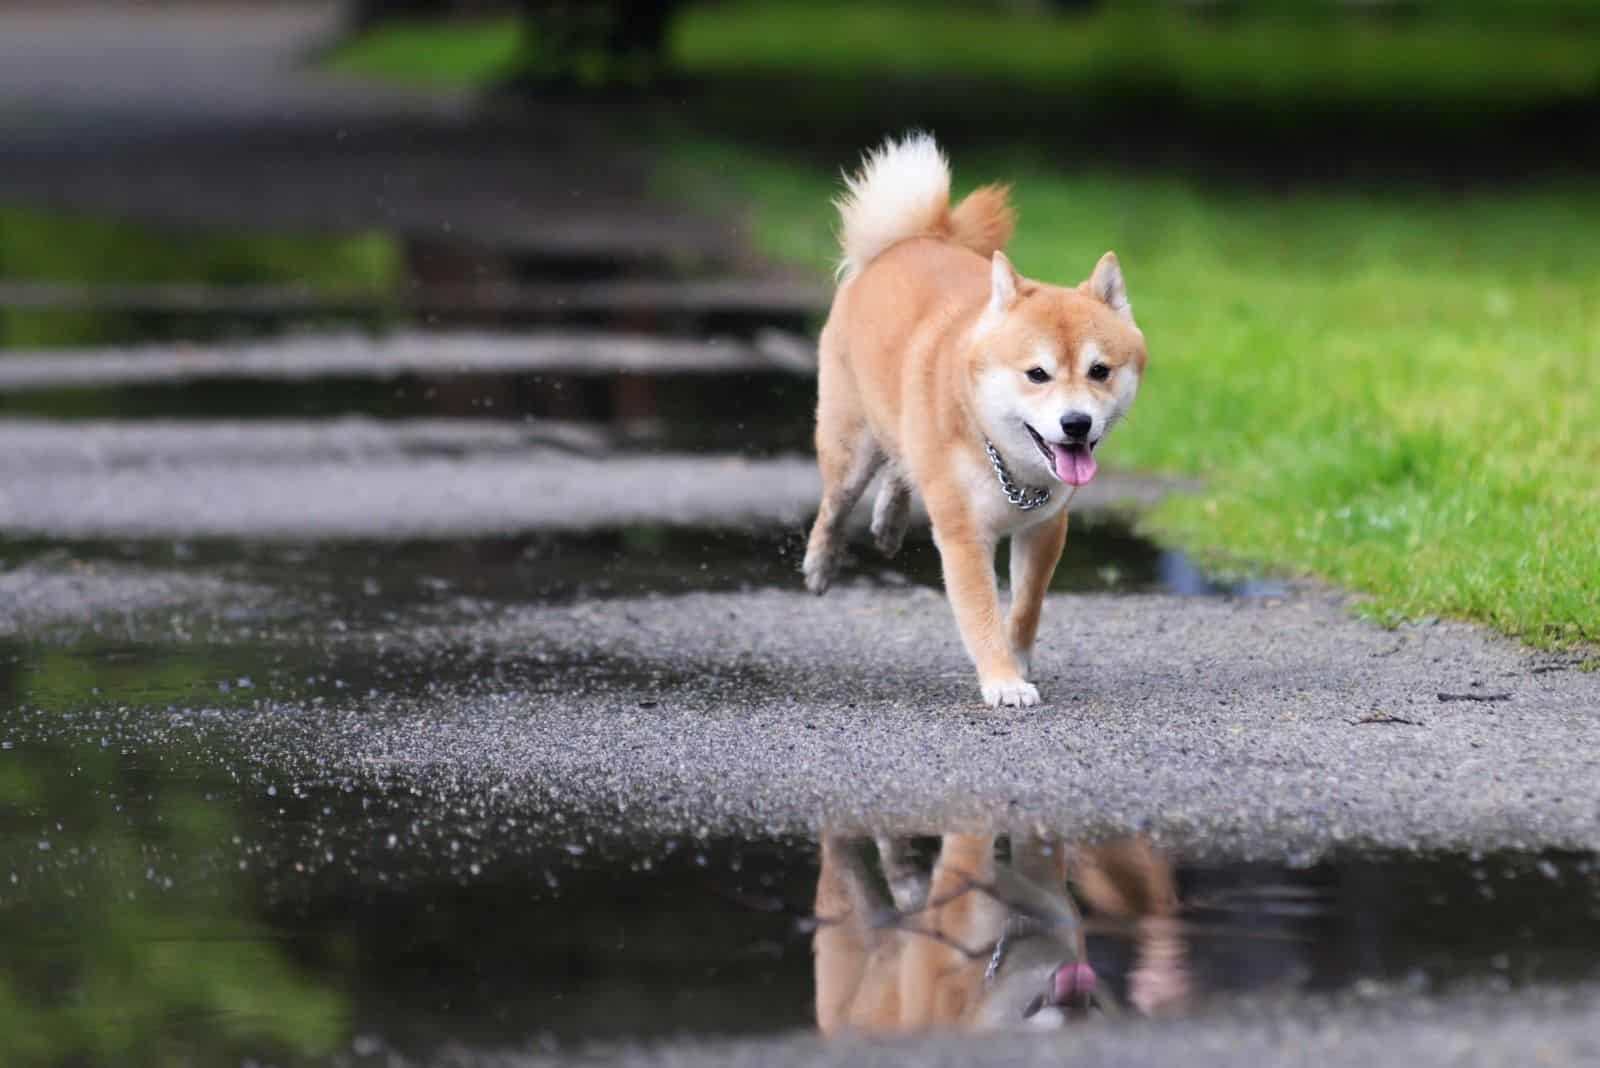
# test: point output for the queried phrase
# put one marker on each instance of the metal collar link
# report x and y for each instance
(996, 959)
(1026, 499)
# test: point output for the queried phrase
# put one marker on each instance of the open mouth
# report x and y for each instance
(1071, 462)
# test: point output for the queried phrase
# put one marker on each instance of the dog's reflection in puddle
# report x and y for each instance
(984, 943)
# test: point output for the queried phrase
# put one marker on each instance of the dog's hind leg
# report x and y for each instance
(847, 455)
(847, 467)
(891, 512)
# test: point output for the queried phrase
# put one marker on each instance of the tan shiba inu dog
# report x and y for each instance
(979, 944)
(986, 392)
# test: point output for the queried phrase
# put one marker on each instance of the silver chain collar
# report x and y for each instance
(1025, 499)
(996, 959)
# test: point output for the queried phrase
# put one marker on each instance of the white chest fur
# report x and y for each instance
(989, 503)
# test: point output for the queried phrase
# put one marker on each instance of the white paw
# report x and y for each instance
(1011, 692)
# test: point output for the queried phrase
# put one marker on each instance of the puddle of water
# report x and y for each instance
(177, 898)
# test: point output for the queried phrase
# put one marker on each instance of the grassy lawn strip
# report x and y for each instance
(1397, 392)
(55, 247)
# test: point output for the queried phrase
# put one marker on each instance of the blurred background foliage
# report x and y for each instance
(55, 246)
(1272, 55)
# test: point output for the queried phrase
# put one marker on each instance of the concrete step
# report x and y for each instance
(410, 352)
(773, 298)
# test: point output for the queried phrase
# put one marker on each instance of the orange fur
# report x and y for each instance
(983, 221)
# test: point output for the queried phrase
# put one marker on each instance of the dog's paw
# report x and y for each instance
(819, 570)
(1012, 693)
(889, 538)
(891, 515)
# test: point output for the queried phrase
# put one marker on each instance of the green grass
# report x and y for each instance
(57, 247)
(1399, 393)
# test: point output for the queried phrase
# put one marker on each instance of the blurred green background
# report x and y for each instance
(1360, 236)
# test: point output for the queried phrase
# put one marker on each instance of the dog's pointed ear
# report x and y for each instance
(1004, 282)
(1106, 286)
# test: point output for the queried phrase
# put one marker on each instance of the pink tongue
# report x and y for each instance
(1074, 464)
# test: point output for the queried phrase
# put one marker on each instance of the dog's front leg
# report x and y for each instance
(967, 553)
(1035, 551)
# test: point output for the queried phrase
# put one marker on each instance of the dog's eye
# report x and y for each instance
(1038, 374)
(1099, 372)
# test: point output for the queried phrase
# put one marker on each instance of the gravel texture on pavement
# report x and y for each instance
(1264, 728)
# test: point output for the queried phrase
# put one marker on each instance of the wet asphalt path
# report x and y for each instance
(496, 619)
(1279, 728)
(1254, 726)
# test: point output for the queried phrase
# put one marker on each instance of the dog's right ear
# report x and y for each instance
(1003, 283)
(1106, 286)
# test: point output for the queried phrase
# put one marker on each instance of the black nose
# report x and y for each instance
(1075, 425)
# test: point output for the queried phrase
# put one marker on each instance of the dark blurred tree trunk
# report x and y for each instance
(576, 41)
(567, 42)
(366, 13)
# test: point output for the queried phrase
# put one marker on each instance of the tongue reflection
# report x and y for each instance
(1074, 464)
(1072, 982)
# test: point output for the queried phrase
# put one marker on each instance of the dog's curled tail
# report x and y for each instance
(903, 190)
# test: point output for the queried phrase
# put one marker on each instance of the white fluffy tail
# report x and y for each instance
(903, 190)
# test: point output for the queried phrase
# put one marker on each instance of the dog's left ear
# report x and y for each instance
(1106, 286)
